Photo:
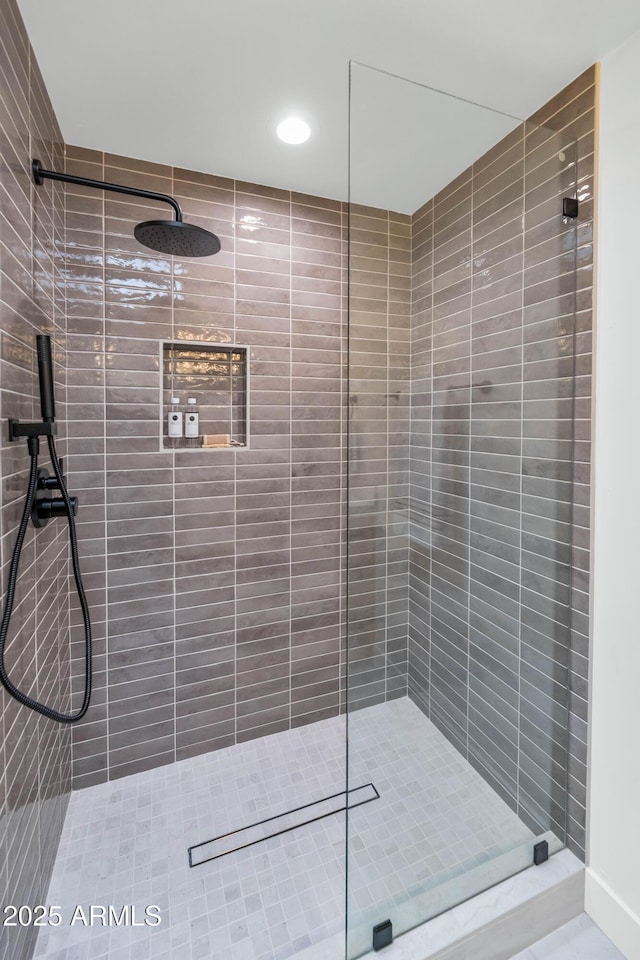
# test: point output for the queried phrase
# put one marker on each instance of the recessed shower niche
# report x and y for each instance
(204, 396)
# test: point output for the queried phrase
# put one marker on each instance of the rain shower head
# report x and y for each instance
(177, 238)
(174, 237)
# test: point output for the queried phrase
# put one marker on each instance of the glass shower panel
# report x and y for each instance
(461, 384)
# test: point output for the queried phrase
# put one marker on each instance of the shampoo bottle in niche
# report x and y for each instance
(192, 422)
(174, 420)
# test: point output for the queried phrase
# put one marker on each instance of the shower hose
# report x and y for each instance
(13, 577)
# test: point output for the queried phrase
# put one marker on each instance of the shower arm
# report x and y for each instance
(40, 175)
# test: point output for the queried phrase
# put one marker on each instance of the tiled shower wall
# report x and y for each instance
(217, 576)
(35, 754)
(378, 475)
(573, 113)
(189, 550)
(246, 546)
(492, 565)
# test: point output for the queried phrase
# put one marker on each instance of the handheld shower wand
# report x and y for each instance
(45, 376)
(40, 509)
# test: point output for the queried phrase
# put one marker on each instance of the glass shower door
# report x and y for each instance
(461, 389)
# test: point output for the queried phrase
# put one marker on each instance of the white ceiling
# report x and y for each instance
(202, 84)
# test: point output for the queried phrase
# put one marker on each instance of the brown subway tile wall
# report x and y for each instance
(573, 112)
(216, 577)
(35, 753)
(419, 546)
(495, 564)
(219, 587)
(379, 405)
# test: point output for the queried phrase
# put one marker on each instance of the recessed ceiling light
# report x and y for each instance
(293, 130)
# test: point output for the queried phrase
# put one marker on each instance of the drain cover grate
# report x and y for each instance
(281, 823)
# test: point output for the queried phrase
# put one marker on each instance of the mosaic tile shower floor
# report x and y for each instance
(125, 842)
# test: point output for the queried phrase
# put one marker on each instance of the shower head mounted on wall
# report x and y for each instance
(177, 238)
(174, 237)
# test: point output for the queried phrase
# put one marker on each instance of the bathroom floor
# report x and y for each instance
(125, 842)
(579, 938)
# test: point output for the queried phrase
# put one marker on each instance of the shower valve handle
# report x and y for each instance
(45, 507)
(50, 482)
(48, 508)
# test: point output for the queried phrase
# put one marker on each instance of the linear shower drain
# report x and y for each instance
(281, 823)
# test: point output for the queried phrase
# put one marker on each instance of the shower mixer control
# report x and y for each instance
(47, 508)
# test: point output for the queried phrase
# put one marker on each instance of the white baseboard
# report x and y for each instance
(614, 918)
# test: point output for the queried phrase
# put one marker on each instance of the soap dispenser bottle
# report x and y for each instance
(192, 421)
(174, 420)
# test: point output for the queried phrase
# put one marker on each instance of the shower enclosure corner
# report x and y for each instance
(462, 285)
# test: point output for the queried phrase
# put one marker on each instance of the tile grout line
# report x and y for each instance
(409, 453)
(235, 466)
(387, 467)
(103, 217)
(430, 440)
(291, 408)
(521, 457)
(173, 455)
(469, 453)
(38, 744)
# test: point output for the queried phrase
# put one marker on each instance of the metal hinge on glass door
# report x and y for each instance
(382, 935)
(540, 852)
